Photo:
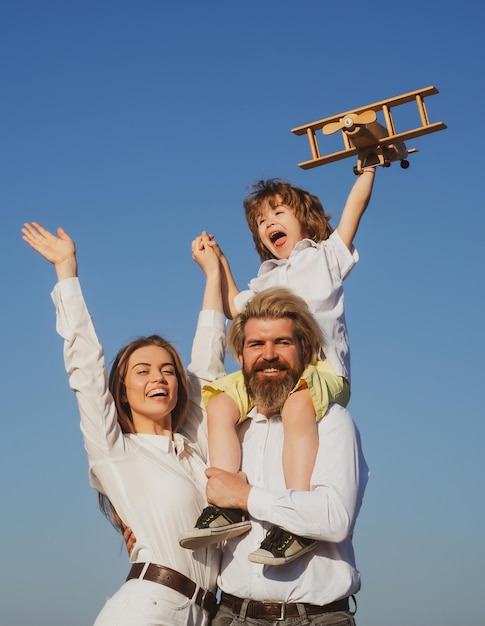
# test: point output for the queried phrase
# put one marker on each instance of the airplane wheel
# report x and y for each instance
(386, 163)
(404, 164)
(356, 170)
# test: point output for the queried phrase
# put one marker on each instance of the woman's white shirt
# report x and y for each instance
(156, 484)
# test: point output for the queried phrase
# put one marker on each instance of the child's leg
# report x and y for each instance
(300, 449)
(224, 446)
(318, 387)
(216, 524)
(300, 445)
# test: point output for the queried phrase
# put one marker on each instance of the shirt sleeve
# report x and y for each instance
(207, 364)
(327, 512)
(242, 299)
(86, 369)
(341, 260)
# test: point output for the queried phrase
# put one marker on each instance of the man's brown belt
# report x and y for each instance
(280, 610)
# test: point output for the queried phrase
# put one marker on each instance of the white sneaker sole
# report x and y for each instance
(266, 558)
(200, 538)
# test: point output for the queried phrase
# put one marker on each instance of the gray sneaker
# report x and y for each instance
(280, 547)
(215, 525)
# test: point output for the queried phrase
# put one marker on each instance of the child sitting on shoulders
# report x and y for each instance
(298, 250)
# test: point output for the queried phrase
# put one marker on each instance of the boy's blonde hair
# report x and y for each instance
(307, 209)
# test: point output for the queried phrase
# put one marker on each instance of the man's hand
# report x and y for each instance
(227, 490)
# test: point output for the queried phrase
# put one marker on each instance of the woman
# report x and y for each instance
(149, 477)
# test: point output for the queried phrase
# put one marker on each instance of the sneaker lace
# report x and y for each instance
(207, 515)
(274, 536)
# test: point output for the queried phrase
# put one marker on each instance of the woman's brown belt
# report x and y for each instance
(177, 581)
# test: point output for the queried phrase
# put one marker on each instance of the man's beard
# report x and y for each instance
(270, 394)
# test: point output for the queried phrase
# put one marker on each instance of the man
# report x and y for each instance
(273, 338)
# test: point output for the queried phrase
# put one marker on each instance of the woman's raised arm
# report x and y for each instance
(60, 250)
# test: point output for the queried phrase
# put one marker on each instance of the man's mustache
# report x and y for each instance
(277, 365)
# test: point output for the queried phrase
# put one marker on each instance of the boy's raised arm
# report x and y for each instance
(357, 202)
(229, 288)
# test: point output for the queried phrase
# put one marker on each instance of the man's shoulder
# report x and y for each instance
(338, 431)
(337, 415)
(338, 409)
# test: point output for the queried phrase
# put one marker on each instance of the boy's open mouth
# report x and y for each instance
(275, 236)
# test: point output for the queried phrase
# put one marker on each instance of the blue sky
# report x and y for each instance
(135, 125)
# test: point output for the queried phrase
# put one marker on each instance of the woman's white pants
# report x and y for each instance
(145, 603)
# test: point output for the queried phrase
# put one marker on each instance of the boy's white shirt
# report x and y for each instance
(315, 272)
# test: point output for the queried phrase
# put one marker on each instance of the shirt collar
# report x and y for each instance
(256, 416)
(301, 245)
(176, 445)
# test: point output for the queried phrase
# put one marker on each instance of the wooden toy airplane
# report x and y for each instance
(366, 138)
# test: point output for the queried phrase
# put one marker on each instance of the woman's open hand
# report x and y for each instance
(59, 250)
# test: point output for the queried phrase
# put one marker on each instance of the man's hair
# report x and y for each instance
(307, 209)
(277, 303)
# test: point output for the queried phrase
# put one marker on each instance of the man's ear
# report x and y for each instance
(240, 359)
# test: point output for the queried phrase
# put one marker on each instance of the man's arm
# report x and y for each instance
(227, 490)
(327, 512)
(357, 202)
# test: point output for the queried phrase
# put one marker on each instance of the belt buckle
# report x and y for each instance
(282, 612)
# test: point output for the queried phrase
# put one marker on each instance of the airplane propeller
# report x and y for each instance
(349, 121)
